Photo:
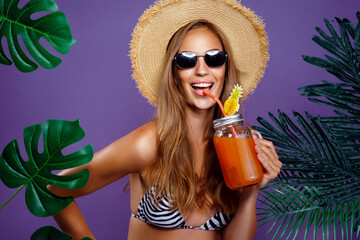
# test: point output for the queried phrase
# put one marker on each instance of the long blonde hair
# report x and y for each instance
(173, 172)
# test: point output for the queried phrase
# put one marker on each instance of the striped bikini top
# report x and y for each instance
(162, 216)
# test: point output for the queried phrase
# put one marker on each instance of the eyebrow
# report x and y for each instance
(217, 49)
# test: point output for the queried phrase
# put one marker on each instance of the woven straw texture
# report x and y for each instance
(242, 28)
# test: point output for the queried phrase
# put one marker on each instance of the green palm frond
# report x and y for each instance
(344, 64)
(319, 184)
(345, 131)
(343, 97)
(288, 208)
(311, 158)
(318, 169)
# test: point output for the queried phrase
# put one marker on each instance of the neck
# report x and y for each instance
(197, 121)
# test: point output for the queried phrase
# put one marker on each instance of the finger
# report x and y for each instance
(268, 166)
(268, 157)
(270, 145)
(269, 149)
(271, 154)
(271, 171)
(275, 163)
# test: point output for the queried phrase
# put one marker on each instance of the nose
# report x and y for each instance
(201, 68)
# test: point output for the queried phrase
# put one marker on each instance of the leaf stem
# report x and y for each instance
(12, 197)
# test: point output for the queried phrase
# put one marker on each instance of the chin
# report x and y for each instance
(203, 105)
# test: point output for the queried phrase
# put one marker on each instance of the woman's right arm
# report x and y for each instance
(133, 153)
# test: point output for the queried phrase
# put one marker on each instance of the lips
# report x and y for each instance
(198, 87)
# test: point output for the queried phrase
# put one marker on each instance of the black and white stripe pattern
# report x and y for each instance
(161, 215)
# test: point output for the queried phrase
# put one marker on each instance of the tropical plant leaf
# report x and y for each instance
(35, 174)
(323, 152)
(317, 158)
(289, 207)
(53, 27)
(340, 96)
(345, 65)
(51, 233)
(345, 49)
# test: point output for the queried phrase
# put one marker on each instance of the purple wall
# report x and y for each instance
(93, 83)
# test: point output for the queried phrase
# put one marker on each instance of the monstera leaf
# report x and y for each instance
(51, 233)
(52, 27)
(36, 172)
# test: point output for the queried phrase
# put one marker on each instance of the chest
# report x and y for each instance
(141, 203)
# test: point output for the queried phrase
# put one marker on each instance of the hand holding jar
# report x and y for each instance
(238, 156)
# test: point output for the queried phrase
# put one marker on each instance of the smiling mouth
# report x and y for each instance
(201, 86)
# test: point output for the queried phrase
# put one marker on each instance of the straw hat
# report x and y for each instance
(243, 30)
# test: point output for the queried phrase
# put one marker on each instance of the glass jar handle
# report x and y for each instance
(256, 133)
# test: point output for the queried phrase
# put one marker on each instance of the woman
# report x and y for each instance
(177, 189)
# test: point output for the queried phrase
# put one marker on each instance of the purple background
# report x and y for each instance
(93, 83)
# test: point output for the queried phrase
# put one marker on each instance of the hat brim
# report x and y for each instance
(243, 30)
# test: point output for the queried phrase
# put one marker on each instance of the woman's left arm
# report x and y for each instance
(244, 223)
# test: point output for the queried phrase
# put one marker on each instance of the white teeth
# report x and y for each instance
(202, 85)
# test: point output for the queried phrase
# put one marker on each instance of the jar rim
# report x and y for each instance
(226, 120)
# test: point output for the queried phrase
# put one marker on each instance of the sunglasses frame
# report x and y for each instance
(197, 56)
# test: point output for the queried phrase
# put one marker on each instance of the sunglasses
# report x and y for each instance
(213, 58)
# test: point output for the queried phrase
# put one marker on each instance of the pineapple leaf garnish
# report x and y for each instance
(232, 104)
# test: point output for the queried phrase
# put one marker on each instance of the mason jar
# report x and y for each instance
(235, 148)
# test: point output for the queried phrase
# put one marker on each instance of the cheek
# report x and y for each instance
(181, 80)
(184, 75)
(220, 75)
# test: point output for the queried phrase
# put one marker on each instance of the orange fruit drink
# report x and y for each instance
(238, 161)
(234, 144)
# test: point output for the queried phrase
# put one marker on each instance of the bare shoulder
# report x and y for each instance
(144, 143)
(133, 153)
(137, 149)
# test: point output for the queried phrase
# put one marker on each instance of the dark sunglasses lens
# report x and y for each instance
(215, 58)
(186, 60)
